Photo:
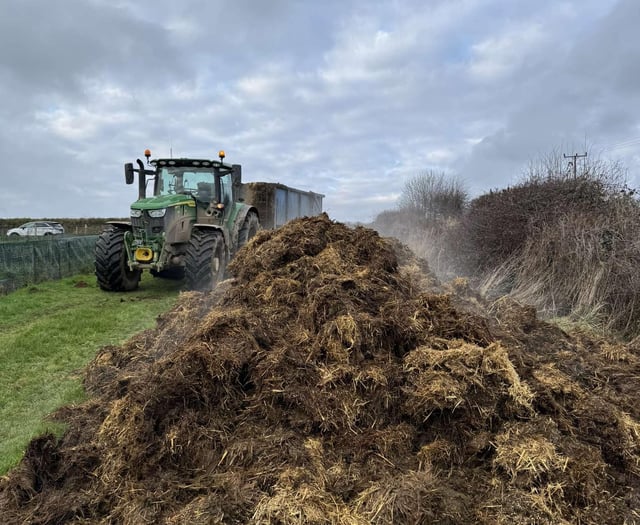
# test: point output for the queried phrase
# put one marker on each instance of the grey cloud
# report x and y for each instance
(48, 46)
(347, 99)
(583, 95)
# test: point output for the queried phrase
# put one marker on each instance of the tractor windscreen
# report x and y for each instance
(188, 180)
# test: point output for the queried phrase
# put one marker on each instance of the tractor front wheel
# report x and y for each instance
(205, 260)
(112, 270)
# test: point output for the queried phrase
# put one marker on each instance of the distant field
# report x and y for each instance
(91, 226)
(48, 333)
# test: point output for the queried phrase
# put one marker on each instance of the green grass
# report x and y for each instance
(48, 333)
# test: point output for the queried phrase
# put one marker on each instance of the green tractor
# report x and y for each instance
(192, 225)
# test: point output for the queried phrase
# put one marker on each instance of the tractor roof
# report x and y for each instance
(196, 163)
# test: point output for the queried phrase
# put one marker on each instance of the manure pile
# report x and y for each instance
(327, 385)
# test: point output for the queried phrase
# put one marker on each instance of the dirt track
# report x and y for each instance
(332, 381)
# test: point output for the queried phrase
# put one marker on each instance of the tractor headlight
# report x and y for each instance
(156, 214)
(136, 213)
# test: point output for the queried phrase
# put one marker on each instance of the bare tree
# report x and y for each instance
(433, 196)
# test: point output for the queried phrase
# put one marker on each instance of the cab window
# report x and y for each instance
(226, 185)
(185, 180)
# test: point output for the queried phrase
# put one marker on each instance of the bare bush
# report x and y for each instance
(428, 221)
(500, 223)
(581, 265)
(433, 196)
(568, 245)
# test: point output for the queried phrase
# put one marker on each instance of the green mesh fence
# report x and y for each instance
(31, 261)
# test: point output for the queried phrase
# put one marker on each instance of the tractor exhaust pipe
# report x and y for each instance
(142, 181)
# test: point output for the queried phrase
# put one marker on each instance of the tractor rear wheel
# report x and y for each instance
(112, 271)
(249, 228)
(205, 260)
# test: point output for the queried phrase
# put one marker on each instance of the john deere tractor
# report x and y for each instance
(192, 224)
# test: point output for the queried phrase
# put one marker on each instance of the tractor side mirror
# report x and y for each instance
(128, 173)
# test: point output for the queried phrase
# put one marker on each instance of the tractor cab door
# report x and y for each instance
(226, 190)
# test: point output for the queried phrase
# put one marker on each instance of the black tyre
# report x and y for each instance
(205, 260)
(112, 270)
(249, 228)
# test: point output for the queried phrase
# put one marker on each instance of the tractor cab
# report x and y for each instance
(209, 184)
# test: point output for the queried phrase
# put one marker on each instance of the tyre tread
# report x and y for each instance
(109, 269)
(198, 260)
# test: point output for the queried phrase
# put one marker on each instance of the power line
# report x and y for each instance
(575, 158)
(623, 144)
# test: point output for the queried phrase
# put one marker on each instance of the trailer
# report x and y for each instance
(277, 204)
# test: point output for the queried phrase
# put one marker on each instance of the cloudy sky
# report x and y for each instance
(349, 98)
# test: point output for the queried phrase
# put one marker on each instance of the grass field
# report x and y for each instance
(48, 332)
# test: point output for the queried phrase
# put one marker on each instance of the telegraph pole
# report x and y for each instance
(575, 158)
